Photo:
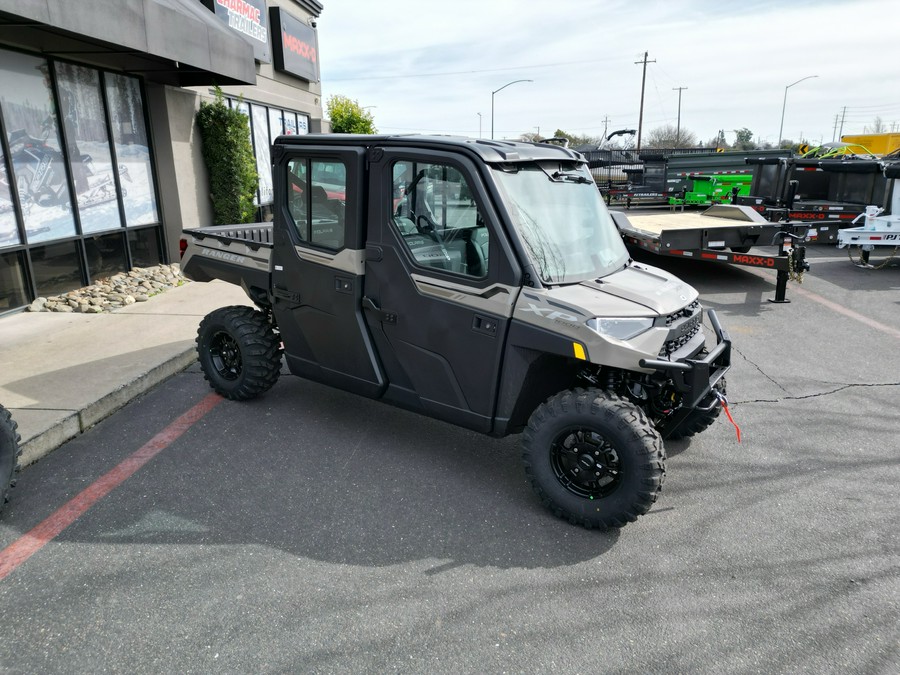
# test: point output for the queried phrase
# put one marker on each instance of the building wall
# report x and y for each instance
(181, 190)
(273, 88)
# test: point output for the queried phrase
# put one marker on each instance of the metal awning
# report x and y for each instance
(177, 42)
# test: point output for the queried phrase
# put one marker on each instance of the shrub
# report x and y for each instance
(228, 154)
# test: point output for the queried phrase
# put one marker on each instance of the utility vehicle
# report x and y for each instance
(479, 282)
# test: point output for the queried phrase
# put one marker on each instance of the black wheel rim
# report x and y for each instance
(585, 463)
(226, 356)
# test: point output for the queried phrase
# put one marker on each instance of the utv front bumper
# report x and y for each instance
(695, 378)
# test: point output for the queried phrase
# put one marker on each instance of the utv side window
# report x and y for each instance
(434, 213)
(317, 193)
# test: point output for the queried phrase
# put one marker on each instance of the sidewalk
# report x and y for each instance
(62, 373)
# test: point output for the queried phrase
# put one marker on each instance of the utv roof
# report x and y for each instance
(487, 150)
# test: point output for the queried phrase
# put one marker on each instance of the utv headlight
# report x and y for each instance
(619, 328)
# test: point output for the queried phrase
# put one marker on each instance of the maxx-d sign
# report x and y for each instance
(295, 45)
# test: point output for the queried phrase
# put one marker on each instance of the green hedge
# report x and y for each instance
(228, 154)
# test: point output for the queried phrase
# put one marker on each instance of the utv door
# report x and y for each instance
(318, 267)
(440, 285)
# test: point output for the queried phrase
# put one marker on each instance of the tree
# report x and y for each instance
(575, 140)
(228, 154)
(668, 136)
(347, 117)
(744, 139)
(878, 127)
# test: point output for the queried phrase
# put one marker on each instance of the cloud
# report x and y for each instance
(431, 67)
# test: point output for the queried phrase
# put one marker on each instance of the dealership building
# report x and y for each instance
(100, 157)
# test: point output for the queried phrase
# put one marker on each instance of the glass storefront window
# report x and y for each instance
(145, 248)
(74, 135)
(132, 149)
(9, 231)
(276, 122)
(290, 123)
(32, 130)
(260, 120)
(56, 268)
(13, 292)
(105, 254)
(87, 139)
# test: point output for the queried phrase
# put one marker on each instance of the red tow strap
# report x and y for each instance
(724, 402)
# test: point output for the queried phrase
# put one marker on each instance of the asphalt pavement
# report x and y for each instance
(62, 373)
(311, 530)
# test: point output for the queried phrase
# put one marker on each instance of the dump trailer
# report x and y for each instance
(827, 194)
(723, 234)
(665, 174)
(716, 188)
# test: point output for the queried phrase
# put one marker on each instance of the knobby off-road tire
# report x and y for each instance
(593, 458)
(698, 420)
(9, 454)
(239, 353)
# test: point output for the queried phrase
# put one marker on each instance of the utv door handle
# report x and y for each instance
(285, 294)
(384, 317)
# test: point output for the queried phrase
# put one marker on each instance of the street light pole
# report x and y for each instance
(784, 104)
(479, 124)
(492, 101)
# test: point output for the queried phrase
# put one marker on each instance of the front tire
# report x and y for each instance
(593, 458)
(9, 454)
(239, 353)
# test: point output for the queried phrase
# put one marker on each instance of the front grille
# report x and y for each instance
(683, 326)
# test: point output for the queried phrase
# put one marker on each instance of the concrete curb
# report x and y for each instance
(70, 426)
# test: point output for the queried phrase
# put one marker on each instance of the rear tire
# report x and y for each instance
(593, 458)
(239, 353)
(9, 454)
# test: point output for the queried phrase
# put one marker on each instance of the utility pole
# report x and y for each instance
(605, 125)
(678, 127)
(843, 116)
(643, 82)
(834, 131)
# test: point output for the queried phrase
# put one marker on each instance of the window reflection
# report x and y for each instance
(9, 232)
(32, 130)
(132, 148)
(90, 160)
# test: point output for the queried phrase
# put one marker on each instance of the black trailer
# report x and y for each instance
(723, 234)
(827, 194)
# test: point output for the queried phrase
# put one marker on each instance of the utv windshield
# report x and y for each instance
(560, 217)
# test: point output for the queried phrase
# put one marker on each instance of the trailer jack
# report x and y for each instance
(796, 264)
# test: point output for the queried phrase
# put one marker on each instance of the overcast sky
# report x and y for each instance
(429, 66)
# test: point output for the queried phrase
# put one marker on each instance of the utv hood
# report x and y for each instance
(636, 290)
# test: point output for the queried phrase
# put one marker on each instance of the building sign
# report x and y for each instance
(295, 46)
(248, 18)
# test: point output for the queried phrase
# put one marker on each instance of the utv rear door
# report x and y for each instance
(318, 267)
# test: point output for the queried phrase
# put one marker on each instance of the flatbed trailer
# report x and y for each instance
(722, 234)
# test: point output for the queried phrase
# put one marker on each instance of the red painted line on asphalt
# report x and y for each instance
(33, 541)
